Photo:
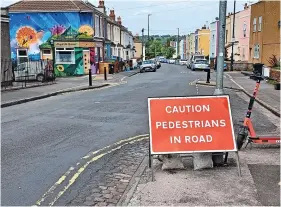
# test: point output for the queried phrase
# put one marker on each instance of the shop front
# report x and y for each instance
(73, 58)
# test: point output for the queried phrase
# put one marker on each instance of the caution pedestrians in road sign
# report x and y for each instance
(190, 124)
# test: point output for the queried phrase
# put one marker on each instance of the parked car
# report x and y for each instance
(172, 61)
(148, 65)
(183, 62)
(34, 70)
(193, 58)
(201, 64)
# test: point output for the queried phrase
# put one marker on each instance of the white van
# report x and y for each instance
(31, 70)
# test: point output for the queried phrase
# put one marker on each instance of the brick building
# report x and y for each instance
(264, 31)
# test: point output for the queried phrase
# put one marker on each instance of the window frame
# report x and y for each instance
(22, 56)
(256, 51)
(255, 24)
(43, 52)
(260, 24)
(71, 50)
(97, 25)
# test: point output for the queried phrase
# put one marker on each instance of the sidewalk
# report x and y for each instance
(61, 85)
(220, 186)
(267, 95)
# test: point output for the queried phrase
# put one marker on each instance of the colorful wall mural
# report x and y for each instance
(35, 31)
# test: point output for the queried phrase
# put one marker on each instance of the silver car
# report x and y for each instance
(148, 65)
(200, 64)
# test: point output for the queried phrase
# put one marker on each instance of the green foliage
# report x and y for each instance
(274, 62)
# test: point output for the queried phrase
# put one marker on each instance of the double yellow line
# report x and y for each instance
(89, 158)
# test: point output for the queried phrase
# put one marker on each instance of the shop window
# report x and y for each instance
(260, 24)
(257, 51)
(46, 52)
(255, 25)
(22, 55)
(65, 56)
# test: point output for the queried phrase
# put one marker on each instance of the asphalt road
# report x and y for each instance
(42, 139)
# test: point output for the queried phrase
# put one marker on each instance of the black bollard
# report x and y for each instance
(208, 76)
(105, 74)
(90, 77)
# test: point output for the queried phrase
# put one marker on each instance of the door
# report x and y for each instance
(86, 61)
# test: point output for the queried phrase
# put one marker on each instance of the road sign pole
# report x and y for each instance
(217, 158)
(221, 52)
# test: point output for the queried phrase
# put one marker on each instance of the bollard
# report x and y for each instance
(90, 77)
(208, 76)
(105, 73)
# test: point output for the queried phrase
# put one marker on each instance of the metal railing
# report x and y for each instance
(29, 73)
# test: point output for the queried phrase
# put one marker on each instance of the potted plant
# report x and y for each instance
(277, 86)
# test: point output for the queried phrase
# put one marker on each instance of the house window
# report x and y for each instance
(22, 55)
(108, 31)
(226, 33)
(260, 23)
(97, 26)
(65, 56)
(243, 53)
(257, 51)
(101, 27)
(255, 25)
(46, 52)
(244, 29)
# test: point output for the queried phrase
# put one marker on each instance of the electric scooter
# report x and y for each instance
(246, 132)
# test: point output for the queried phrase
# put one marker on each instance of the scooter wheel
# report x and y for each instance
(240, 140)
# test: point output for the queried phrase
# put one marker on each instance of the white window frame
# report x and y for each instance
(97, 26)
(255, 25)
(22, 56)
(101, 26)
(108, 31)
(260, 24)
(57, 50)
(256, 51)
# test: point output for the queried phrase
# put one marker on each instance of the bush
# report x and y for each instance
(274, 62)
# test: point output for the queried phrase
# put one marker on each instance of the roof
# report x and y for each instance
(137, 40)
(50, 6)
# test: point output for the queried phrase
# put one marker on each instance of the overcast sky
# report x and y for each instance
(167, 15)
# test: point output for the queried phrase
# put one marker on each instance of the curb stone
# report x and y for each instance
(131, 188)
(265, 105)
(12, 103)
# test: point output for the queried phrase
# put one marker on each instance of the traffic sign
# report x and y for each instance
(190, 124)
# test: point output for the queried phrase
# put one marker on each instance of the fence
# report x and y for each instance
(26, 74)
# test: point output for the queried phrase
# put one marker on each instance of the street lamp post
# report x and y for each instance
(148, 27)
(53, 54)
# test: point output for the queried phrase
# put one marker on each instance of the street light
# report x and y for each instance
(148, 26)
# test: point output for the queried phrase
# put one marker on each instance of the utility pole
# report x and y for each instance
(233, 37)
(142, 31)
(221, 52)
(178, 45)
(148, 27)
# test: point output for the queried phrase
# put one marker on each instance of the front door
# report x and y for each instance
(86, 61)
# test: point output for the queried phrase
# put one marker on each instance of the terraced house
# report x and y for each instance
(72, 33)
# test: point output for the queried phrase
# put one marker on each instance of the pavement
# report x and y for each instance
(267, 95)
(90, 148)
(35, 91)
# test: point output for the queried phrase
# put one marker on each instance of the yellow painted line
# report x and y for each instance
(117, 143)
(64, 176)
(80, 170)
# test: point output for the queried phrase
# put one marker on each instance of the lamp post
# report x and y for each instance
(53, 55)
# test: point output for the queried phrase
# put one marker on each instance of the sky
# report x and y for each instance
(166, 15)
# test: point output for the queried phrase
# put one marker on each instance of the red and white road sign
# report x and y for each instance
(190, 124)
